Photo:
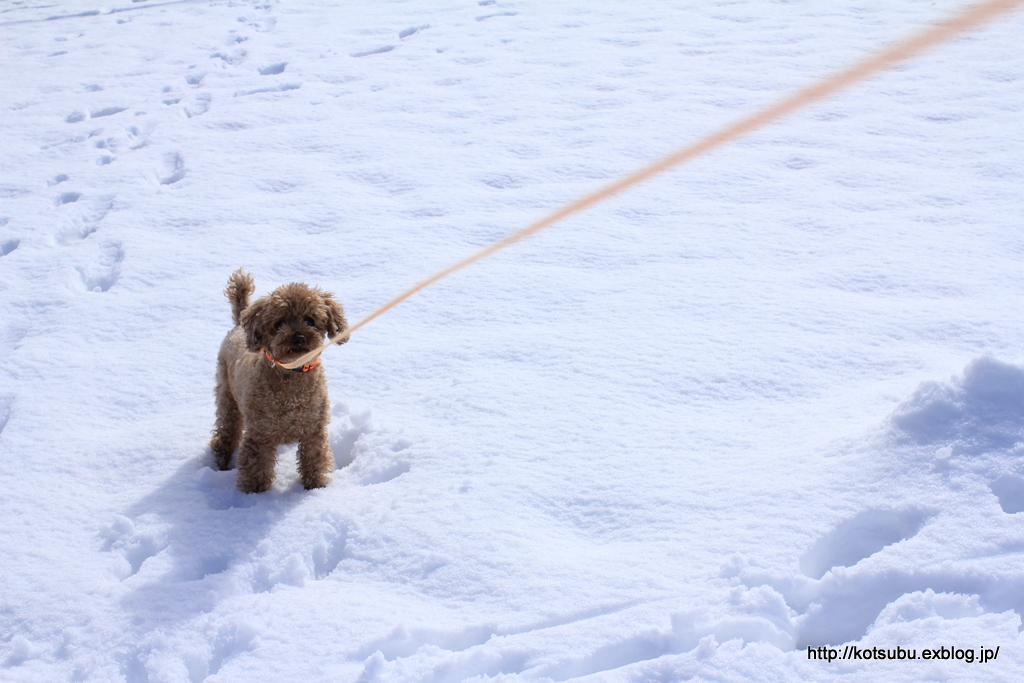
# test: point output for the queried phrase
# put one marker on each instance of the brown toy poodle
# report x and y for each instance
(262, 405)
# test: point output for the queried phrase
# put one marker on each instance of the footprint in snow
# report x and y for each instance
(136, 138)
(1009, 490)
(265, 25)
(859, 537)
(132, 137)
(107, 111)
(8, 246)
(353, 426)
(283, 87)
(485, 17)
(375, 51)
(106, 143)
(13, 191)
(411, 31)
(378, 463)
(172, 170)
(371, 457)
(799, 163)
(322, 549)
(273, 69)
(79, 219)
(5, 412)
(130, 546)
(260, 25)
(103, 271)
(329, 550)
(78, 115)
(170, 97)
(199, 105)
(386, 474)
(228, 643)
(234, 58)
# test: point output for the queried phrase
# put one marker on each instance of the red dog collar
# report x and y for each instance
(305, 368)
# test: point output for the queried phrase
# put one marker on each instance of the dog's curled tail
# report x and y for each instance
(240, 286)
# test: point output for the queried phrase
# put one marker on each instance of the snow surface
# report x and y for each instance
(771, 400)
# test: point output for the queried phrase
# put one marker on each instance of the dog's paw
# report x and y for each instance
(316, 481)
(222, 461)
(254, 482)
(222, 447)
(261, 486)
(221, 457)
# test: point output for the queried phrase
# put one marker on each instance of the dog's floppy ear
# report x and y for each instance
(336, 323)
(253, 322)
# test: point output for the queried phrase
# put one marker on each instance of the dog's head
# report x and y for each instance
(292, 320)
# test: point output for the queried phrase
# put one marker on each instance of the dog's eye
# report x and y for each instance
(278, 324)
(310, 323)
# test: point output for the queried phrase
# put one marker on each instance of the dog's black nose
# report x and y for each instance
(298, 341)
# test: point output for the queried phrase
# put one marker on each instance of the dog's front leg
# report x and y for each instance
(256, 460)
(315, 461)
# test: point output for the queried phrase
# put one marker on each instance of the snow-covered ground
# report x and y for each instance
(769, 401)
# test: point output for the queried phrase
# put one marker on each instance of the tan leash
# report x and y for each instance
(930, 37)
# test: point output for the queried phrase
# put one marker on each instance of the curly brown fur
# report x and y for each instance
(261, 406)
(240, 288)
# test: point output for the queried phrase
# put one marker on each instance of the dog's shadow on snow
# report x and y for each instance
(195, 540)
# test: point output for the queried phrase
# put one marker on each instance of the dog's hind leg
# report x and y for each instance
(227, 431)
(256, 459)
(315, 461)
